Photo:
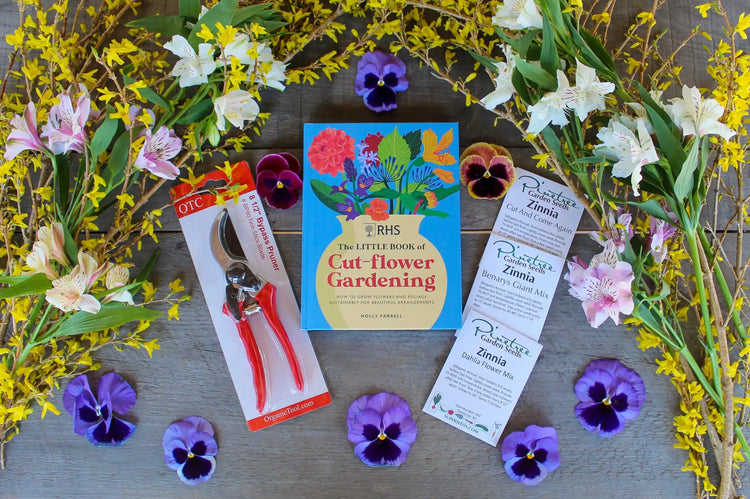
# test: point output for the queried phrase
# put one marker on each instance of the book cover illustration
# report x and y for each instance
(381, 227)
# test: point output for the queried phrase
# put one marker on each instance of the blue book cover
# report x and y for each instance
(381, 226)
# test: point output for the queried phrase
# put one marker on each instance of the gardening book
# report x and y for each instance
(381, 227)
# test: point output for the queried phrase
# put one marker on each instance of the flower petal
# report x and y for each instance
(381, 98)
(197, 470)
(273, 162)
(599, 418)
(361, 426)
(117, 433)
(114, 389)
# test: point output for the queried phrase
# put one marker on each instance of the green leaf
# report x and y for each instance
(590, 160)
(487, 62)
(385, 193)
(553, 11)
(444, 192)
(166, 26)
(222, 13)
(653, 208)
(69, 244)
(197, 112)
(521, 45)
(190, 8)
(408, 201)
(261, 10)
(536, 75)
(62, 178)
(155, 99)
(114, 173)
(520, 85)
(663, 293)
(684, 183)
(394, 152)
(549, 58)
(434, 213)
(111, 315)
(668, 143)
(34, 284)
(595, 44)
(323, 192)
(414, 140)
(148, 93)
(103, 136)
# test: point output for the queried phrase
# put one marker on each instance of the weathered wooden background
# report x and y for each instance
(310, 456)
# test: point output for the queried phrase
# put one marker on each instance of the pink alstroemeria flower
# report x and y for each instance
(90, 269)
(68, 293)
(604, 287)
(158, 148)
(660, 231)
(66, 127)
(24, 136)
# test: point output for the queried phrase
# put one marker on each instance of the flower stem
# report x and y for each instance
(701, 288)
(727, 295)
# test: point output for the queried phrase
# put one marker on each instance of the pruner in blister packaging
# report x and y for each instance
(249, 297)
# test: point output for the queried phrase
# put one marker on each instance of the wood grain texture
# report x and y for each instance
(310, 456)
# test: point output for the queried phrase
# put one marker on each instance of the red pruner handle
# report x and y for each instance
(253, 357)
(266, 297)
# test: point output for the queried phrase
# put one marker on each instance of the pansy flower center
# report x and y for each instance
(279, 185)
(382, 436)
(530, 455)
(381, 82)
(607, 401)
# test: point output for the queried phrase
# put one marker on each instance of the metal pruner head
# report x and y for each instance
(242, 282)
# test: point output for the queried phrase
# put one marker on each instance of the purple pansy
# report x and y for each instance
(189, 448)
(610, 394)
(347, 208)
(379, 77)
(530, 455)
(94, 416)
(278, 180)
(381, 429)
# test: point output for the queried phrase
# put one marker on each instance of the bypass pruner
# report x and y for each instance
(248, 295)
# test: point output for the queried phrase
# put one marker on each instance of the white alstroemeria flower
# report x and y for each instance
(238, 49)
(631, 153)
(504, 89)
(551, 108)
(588, 94)
(68, 293)
(274, 77)
(236, 106)
(517, 14)
(265, 70)
(192, 68)
(117, 277)
(697, 116)
(38, 260)
(640, 115)
(53, 238)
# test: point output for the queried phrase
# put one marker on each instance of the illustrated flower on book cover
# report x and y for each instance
(383, 175)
